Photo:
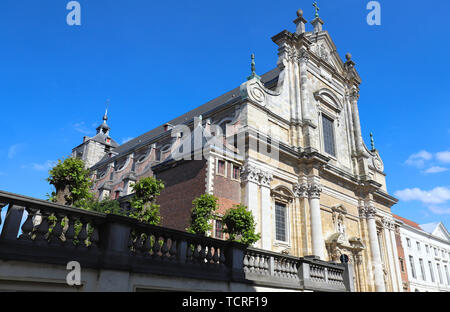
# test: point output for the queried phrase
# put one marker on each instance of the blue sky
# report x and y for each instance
(155, 60)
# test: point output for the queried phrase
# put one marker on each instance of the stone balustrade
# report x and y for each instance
(277, 270)
(42, 232)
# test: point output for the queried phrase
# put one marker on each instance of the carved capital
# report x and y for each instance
(265, 178)
(250, 173)
(314, 190)
(368, 211)
(301, 190)
(354, 95)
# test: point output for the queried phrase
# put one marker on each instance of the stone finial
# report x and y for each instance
(253, 75)
(300, 22)
(317, 23)
(372, 142)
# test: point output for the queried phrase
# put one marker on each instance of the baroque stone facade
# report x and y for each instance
(289, 146)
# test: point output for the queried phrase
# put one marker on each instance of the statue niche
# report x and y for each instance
(338, 243)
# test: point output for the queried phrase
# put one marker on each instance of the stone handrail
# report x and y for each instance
(57, 234)
(273, 269)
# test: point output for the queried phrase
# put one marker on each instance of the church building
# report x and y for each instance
(288, 145)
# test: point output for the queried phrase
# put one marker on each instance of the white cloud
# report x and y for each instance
(436, 169)
(443, 157)
(438, 195)
(44, 166)
(418, 159)
(439, 210)
(81, 127)
(13, 150)
(127, 140)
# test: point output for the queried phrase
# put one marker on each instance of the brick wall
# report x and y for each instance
(227, 190)
(401, 255)
(183, 183)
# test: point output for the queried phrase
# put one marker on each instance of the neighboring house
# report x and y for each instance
(289, 146)
(426, 255)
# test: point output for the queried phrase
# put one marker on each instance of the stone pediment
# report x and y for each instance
(324, 48)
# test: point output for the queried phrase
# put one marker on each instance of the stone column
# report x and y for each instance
(318, 243)
(266, 213)
(396, 260)
(301, 194)
(387, 237)
(377, 266)
(250, 176)
(354, 96)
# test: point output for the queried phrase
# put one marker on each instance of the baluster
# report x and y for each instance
(42, 228)
(156, 247)
(246, 263)
(55, 237)
(94, 236)
(251, 263)
(209, 255)
(173, 249)
(202, 254)
(190, 252)
(70, 232)
(82, 235)
(262, 260)
(27, 227)
(216, 255)
(196, 254)
(146, 248)
(165, 248)
(285, 268)
(131, 246)
(222, 256)
(257, 263)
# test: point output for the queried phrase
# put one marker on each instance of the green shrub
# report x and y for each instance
(240, 225)
(202, 212)
(143, 202)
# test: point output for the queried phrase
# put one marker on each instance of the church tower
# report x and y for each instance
(92, 150)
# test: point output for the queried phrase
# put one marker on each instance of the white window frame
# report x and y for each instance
(217, 167)
(322, 137)
(232, 172)
(287, 222)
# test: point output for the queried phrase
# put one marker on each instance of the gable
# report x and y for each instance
(441, 232)
(324, 48)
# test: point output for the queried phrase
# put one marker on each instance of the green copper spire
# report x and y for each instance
(317, 8)
(372, 142)
(254, 75)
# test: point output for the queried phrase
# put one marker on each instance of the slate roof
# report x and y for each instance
(101, 138)
(269, 79)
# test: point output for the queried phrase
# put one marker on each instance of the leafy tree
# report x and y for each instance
(202, 212)
(240, 225)
(143, 202)
(71, 181)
